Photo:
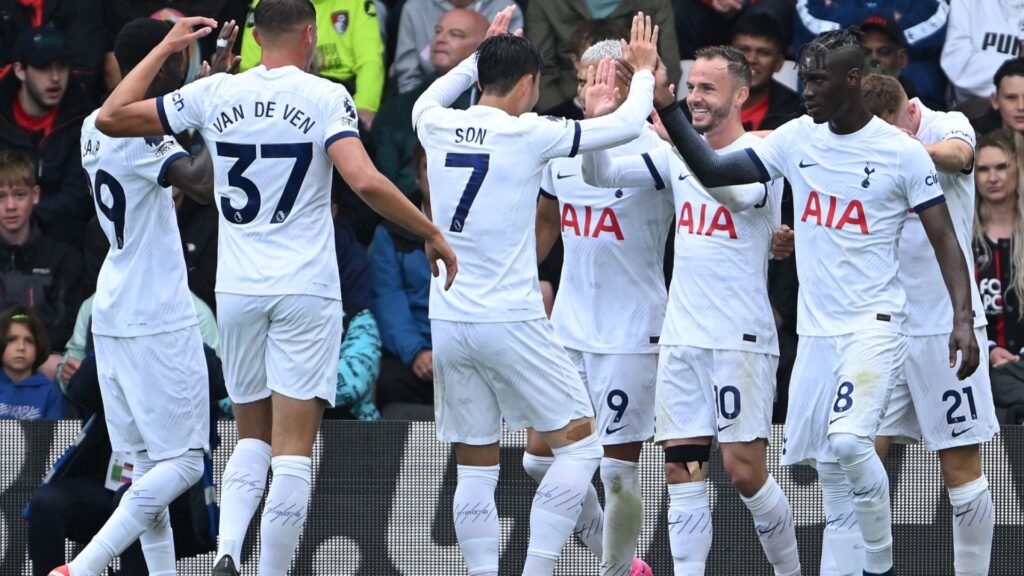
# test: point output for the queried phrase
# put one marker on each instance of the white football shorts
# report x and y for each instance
(621, 388)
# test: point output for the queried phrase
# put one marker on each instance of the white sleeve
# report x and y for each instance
(446, 89)
(773, 151)
(150, 157)
(566, 138)
(184, 108)
(652, 168)
(340, 112)
(743, 197)
(956, 126)
(919, 179)
(547, 184)
(958, 52)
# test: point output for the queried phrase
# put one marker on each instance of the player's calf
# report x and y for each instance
(624, 509)
(842, 547)
(869, 489)
(973, 514)
(689, 513)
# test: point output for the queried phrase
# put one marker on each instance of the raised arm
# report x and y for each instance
(603, 170)
(446, 89)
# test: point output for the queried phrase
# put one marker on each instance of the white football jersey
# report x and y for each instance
(485, 170)
(929, 311)
(719, 294)
(851, 196)
(611, 297)
(142, 288)
(268, 132)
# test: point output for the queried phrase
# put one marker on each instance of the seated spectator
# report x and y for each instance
(401, 295)
(701, 23)
(41, 114)
(25, 394)
(418, 26)
(456, 37)
(35, 270)
(1007, 101)
(923, 23)
(770, 104)
(588, 33)
(550, 25)
(359, 363)
(886, 53)
(980, 38)
(349, 50)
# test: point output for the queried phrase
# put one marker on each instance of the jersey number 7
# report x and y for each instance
(480, 164)
(245, 155)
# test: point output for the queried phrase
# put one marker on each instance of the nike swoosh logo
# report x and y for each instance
(832, 421)
(720, 428)
(959, 514)
(610, 430)
(958, 433)
(859, 494)
(802, 165)
(561, 176)
(684, 176)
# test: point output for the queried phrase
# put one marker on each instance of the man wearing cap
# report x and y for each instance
(41, 113)
(885, 48)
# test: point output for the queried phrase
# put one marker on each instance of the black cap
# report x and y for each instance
(38, 47)
(886, 25)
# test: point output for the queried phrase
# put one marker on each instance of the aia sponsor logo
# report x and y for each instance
(705, 220)
(835, 214)
(582, 222)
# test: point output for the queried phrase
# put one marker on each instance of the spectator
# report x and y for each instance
(701, 23)
(586, 34)
(550, 25)
(359, 363)
(25, 394)
(922, 22)
(35, 270)
(886, 53)
(770, 104)
(418, 26)
(1007, 100)
(401, 293)
(41, 113)
(982, 35)
(456, 37)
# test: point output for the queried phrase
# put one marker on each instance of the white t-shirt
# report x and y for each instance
(929, 311)
(268, 132)
(851, 195)
(485, 171)
(611, 297)
(718, 299)
(142, 288)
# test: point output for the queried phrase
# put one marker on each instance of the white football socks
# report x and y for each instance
(558, 502)
(241, 489)
(842, 547)
(624, 515)
(284, 514)
(158, 539)
(689, 527)
(590, 525)
(869, 490)
(973, 524)
(476, 518)
(773, 520)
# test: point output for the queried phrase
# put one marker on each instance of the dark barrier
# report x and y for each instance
(383, 493)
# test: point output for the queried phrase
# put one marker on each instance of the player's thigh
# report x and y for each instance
(812, 389)
(952, 412)
(243, 322)
(743, 393)
(121, 425)
(465, 407)
(684, 399)
(900, 421)
(303, 345)
(871, 363)
(621, 389)
(166, 388)
(535, 382)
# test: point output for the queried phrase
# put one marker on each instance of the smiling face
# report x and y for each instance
(711, 93)
(763, 56)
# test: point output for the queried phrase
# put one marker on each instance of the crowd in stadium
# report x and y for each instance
(59, 66)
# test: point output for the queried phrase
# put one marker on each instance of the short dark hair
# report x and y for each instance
(739, 69)
(276, 16)
(137, 39)
(502, 60)
(883, 95)
(590, 32)
(844, 43)
(28, 317)
(1011, 67)
(760, 25)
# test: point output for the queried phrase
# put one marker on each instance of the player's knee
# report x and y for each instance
(686, 462)
(589, 448)
(851, 449)
(960, 465)
(536, 466)
(745, 478)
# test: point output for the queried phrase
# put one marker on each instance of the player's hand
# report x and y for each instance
(664, 92)
(996, 357)
(642, 51)
(659, 128)
(224, 60)
(601, 97)
(962, 340)
(624, 72)
(782, 243)
(501, 22)
(423, 364)
(182, 36)
(437, 248)
(69, 369)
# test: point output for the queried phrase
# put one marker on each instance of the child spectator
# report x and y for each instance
(25, 394)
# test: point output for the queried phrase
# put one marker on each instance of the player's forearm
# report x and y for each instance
(739, 198)
(118, 117)
(626, 123)
(385, 199)
(951, 155)
(446, 89)
(547, 223)
(951, 260)
(603, 170)
(713, 170)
